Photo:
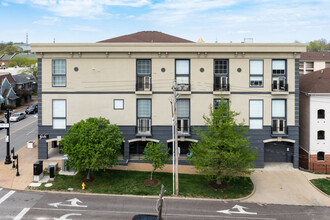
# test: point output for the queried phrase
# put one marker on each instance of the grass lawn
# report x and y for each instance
(132, 182)
(322, 184)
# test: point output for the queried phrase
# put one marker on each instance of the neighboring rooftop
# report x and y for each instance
(316, 82)
(8, 76)
(146, 36)
(315, 56)
(21, 79)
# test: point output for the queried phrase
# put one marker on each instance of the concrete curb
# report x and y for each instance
(316, 187)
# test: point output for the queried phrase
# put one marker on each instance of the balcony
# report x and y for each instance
(183, 126)
(279, 127)
(143, 83)
(279, 86)
(221, 83)
(143, 126)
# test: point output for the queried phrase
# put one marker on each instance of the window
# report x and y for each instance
(182, 74)
(256, 114)
(221, 72)
(143, 116)
(216, 103)
(183, 114)
(59, 73)
(320, 156)
(143, 71)
(278, 116)
(320, 135)
(256, 73)
(118, 104)
(321, 114)
(278, 67)
(59, 114)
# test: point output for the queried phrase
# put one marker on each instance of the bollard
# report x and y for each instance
(83, 185)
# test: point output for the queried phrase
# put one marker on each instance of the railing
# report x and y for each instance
(279, 84)
(144, 126)
(279, 127)
(183, 87)
(221, 83)
(143, 83)
(183, 126)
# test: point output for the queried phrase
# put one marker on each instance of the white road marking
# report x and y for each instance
(11, 192)
(0, 189)
(64, 217)
(21, 214)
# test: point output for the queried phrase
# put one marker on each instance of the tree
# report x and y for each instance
(223, 150)
(30, 70)
(10, 49)
(318, 45)
(21, 62)
(157, 153)
(92, 144)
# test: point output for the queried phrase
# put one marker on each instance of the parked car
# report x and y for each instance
(31, 109)
(145, 217)
(17, 116)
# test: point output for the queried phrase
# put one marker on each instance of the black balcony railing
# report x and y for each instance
(279, 127)
(143, 83)
(221, 83)
(143, 126)
(183, 126)
(279, 84)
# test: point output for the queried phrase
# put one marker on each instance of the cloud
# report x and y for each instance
(4, 3)
(84, 28)
(47, 20)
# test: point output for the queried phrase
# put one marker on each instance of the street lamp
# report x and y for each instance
(7, 160)
(13, 152)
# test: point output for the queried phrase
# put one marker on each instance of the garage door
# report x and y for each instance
(278, 152)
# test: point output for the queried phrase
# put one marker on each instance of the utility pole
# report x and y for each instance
(160, 207)
(175, 96)
(8, 160)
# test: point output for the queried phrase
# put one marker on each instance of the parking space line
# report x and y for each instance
(21, 214)
(11, 192)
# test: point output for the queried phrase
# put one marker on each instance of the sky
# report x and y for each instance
(223, 21)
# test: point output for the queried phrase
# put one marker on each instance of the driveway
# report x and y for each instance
(285, 185)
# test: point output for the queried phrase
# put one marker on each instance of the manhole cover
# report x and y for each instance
(48, 184)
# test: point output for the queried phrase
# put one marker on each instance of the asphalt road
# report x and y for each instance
(20, 133)
(38, 205)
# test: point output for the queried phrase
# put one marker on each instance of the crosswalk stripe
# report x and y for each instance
(21, 214)
(11, 192)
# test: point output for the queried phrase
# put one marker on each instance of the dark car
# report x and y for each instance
(145, 217)
(31, 109)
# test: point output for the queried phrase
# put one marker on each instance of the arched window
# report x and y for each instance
(320, 155)
(320, 114)
(320, 135)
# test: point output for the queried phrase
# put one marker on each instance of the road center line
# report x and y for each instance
(11, 192)
(19, 129)
(21, 214)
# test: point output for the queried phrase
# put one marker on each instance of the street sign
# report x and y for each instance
(4, 125)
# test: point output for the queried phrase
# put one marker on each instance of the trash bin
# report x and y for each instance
(37, 168)
(30, 144)
(52, 172)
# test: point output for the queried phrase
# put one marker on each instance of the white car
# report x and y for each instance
(17, 116)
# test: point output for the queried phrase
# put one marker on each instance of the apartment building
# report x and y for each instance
(313, 61)
(315, 121)
(129, 80)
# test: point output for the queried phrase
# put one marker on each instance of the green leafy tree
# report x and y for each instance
(21, 62)
(157, 153)
(92, 144)
(10, 49)
(30, 70)
(223, 150)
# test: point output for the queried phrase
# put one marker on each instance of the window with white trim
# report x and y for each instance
(182, 74)
(256, 114)
(278, 116)
(183, 115)
(256, 73)
(143, 72)
(59, 114)
(144, 116)
(118, 104)
(278, 67)
(59, 73)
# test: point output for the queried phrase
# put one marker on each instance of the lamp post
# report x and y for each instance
(13, 152)
(7, 160)
(17, 172)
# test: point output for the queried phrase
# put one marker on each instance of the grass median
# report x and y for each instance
(132, 183)
(322, 184)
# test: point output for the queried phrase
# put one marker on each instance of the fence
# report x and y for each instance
(320, 168)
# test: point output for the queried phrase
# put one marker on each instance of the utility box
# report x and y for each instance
(38, 171)
(53, 164)
(64, 166)
(52, 172)
(30, 144)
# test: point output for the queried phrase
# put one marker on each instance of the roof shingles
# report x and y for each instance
(316, 82)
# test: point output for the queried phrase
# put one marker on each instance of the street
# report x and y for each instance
(39, 205)
(20, 133)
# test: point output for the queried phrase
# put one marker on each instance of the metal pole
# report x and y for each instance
(173, 144)
(8, 160)
(13, 152)
(176, 143)
(17, 173)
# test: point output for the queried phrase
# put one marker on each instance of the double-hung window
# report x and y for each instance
(143, 74)
(278, 116)
(182, 74)
(256, 73)
(256, 114)
(217, 103)
(183, 115)
(221, 72)
(59, 73)
(59, 114)
(144, 116)
(279, 75)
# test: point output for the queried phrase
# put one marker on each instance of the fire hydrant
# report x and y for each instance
(83, 185)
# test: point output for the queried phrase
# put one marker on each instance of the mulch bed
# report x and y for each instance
(219, 187)
(149, 182)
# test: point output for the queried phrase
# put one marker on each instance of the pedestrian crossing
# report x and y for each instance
(7, 210)
(6, 196)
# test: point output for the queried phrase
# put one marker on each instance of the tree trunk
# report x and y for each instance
(218, 181)
(89, 174)
(151, 175)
